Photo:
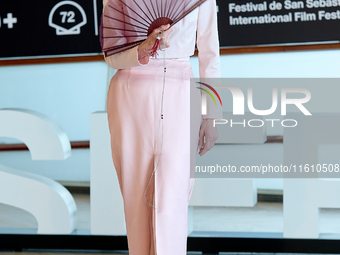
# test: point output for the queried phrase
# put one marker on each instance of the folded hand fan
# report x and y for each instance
(127, 23)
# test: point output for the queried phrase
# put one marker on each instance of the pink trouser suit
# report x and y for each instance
(133, 107)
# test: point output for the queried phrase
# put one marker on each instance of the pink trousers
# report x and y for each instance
(134, 107)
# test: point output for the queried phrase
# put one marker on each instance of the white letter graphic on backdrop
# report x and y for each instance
(107, 209)
(303, 197)
(48, 201)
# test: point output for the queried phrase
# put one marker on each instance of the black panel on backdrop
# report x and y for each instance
(40, 27)
(56, 27)
(261, 22)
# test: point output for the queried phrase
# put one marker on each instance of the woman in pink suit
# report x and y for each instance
(133, 107)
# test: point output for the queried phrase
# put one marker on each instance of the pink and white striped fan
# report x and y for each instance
(127, 23)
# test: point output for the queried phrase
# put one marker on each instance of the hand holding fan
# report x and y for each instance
(158, 39)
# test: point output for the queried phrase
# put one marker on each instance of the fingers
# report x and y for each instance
(168, 31)
(207, 146)
(201, 139)
(147, 47)
(165, 42)
(161, 28)
(209, 143)
(209, 132)
(163, 31)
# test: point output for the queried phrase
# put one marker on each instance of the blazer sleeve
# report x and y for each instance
(125, 59)
(209, 53)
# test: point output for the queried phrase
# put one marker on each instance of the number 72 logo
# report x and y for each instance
(67, 17)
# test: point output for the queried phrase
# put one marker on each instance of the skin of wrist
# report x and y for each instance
(141, 52)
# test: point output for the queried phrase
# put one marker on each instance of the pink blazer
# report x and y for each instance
(182, 45)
